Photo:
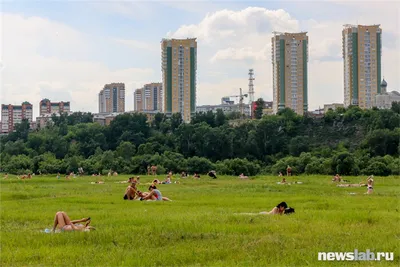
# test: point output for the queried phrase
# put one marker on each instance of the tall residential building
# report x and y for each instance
(149, 98)
(112, 98)
(362, 64)
(289, 68)
(11, 115)
(179, 66)
(48, 107)
(138, 99)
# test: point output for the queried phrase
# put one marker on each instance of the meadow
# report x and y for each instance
(199, 227)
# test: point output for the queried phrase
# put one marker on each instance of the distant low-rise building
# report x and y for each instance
(105, 119)
(385, 99)
(13, 114)
(332, 106)
(226, 108)
(45, 119)
(267, 109)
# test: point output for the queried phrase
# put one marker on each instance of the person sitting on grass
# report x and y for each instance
(131, 192)
(167, 181)
(336, 178)
(242, 176)
(65, 224)
(212, 174)
(5, 176)
(154, 194)
(280, 174)
(196, 176)
(283, 180)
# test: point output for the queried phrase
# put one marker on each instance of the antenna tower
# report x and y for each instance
(251, 86)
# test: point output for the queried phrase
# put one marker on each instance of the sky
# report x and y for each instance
(68, 50)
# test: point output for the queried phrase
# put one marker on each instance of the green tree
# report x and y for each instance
(260, 103)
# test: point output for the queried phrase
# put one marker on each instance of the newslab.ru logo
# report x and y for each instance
(355, 256)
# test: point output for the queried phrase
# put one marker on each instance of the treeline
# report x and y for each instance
(346, 141)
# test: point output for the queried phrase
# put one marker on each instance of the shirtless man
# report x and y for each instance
(154, 170)
(289, 171)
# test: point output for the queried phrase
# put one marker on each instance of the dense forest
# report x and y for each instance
(346, 141)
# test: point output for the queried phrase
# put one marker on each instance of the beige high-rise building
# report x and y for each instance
(179, 66)
(289, 68)
(149, 98)
(362, 64)
(112, 98)
(138, 99)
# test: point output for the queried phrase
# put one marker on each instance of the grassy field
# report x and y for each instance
(199, 227)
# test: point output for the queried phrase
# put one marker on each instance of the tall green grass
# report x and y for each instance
(199, 227)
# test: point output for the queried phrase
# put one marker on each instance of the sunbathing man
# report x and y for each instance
(65, 224)
(336, 178)
(289, 171)
(131, 192)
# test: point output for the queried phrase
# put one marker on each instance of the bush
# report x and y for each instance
(238, 166)
(199, 165)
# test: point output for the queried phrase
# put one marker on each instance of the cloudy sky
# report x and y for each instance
(67, 50)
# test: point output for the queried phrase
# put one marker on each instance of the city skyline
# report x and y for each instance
(72, 60)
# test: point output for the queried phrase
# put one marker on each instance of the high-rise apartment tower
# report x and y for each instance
(179, 66)
(362, 49)
(112, 98)
(290, 71)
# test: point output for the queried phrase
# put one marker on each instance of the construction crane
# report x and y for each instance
(241, 98)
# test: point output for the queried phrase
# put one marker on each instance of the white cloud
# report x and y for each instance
(241, 54)
(237, 24)
(138, 44)
(41, 63)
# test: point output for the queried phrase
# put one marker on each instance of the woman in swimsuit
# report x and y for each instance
(279, 209)
(65, 224)
(154, 194)
(370, 184)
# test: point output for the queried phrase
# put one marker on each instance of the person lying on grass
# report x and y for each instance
(279, 209)
(65, 224)
(242, 176)
(154, 194)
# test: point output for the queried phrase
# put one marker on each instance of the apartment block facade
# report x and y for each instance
(149, 98)
(112, 98)
(179, 67)
(48, 107)
(362, 52)
(13, 114)
(290, 71)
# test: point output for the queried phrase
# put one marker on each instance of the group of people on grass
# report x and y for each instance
(153, 194)
(369, 183)
(64, 223)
